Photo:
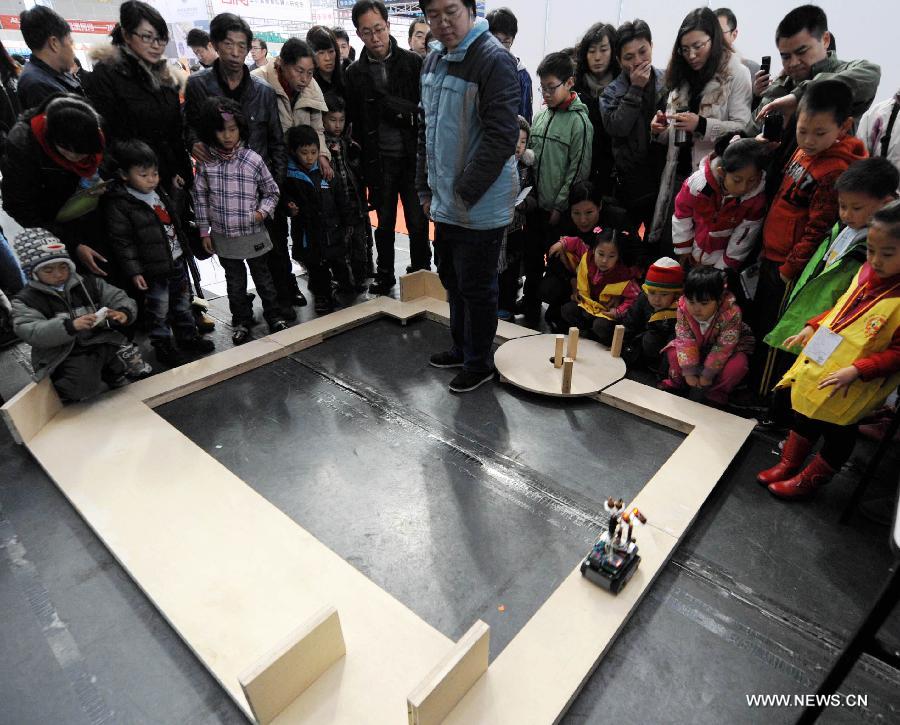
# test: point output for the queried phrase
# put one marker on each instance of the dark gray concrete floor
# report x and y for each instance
(757, 599)
(456, 505)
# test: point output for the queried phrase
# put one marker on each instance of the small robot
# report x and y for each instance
(614, 558)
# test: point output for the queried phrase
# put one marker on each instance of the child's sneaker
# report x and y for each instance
(278, 326)
(504, 315)
(240, 335)
(135, 367)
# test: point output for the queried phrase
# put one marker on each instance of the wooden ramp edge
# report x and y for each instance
(283, 674)
(451, 678)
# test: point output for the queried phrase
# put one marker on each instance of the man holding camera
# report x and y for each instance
(803, 39)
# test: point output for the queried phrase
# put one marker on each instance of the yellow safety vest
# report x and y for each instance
(600, 307)
(867, 331)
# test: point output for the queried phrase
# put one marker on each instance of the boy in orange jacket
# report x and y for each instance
(806, 207)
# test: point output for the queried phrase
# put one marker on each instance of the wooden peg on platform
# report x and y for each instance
(558, 355)
(572, 349)
(617, 341)
(568, 364)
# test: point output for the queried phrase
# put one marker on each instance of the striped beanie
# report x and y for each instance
(37, 247)
(664, 275)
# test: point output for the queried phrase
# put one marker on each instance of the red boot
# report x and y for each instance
(815, 475)
(794, 452)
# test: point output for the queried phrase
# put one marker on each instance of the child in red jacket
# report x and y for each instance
(720, 208)
(711, 342)
(806, 207)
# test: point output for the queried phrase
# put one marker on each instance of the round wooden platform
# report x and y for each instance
(526, 363)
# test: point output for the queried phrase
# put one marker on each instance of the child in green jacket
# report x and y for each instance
(864, 188)
(562, 139)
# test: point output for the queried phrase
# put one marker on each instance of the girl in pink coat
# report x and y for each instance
(711, 342)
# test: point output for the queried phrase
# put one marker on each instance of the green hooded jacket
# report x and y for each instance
(562, 140)
(818, 288)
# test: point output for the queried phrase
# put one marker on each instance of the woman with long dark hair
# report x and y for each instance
(710, 95)
(134, 90)
(328, 73)
(596, 66)
(9, 79)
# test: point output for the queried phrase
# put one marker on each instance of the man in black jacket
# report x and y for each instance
(229, 77)
(382, 106)
(52, 56)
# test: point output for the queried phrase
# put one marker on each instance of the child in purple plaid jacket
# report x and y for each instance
(233, 195)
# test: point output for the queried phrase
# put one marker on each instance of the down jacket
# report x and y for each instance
(140, 102)
(137, 237)
(466, 167)
(716, 229)
(43, 317)
(806, 207)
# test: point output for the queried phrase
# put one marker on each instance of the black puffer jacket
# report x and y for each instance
(136, 235)
(367, 107)
(34, 189)
(135, 105)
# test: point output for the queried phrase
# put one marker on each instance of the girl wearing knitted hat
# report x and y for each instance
(650, 322)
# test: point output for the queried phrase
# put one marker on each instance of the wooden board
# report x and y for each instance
(526, 362)
(451, 678)
(31, 409)
(283, 674)
(232, 574)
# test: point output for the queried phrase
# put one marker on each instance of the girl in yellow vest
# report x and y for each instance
(849, 364)
(604, 285)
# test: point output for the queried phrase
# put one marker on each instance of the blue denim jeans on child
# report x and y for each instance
(11, 278)
(169, 298)
(467, 265)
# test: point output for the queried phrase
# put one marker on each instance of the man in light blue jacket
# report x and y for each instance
(466, 175)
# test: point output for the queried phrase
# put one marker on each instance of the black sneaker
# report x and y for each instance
(324, 304)
(167, 354)
(240, 335)
(468, 380)
(299, 300)
(277, 326)
(196, 344)
(445, 360)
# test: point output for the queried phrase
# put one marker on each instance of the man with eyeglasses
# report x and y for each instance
(728, 21)
(466, 175)
(382, 94)
(52, 56)
(259, 51)
(230, 77)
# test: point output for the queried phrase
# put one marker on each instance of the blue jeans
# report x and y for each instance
(11, 277)
(167, 298)
(467, 265)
